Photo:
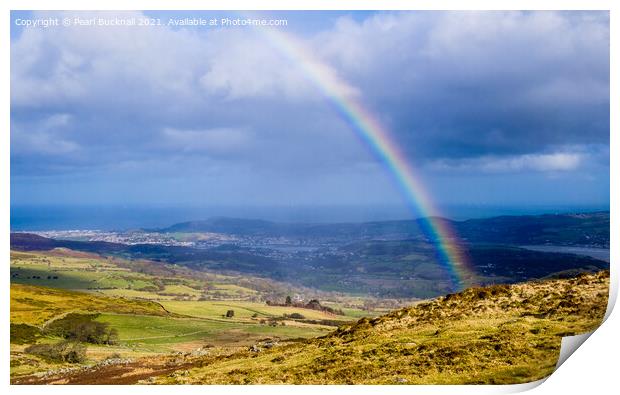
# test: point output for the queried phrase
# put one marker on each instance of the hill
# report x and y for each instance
(33, 305)
(560, 229)
(129, 309)
(405, 268)
(590, 229)
(494, 335)
(501, 334)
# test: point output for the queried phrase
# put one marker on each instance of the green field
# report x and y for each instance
(495, 335)
(94, 274)
(163, 321)
(246, 310)
(162, 334)
(34, 305)
(154, 309)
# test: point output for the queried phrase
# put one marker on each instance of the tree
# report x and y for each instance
(288, 301)
(112, 337)
(82, 328)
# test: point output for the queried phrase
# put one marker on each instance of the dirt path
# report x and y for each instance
(129, 373)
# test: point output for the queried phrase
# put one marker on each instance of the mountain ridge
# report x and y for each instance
(566, 229)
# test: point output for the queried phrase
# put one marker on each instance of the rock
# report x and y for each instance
(270, 344)
(179, 373)
(199, 352)
(254, 348)
(114, 361)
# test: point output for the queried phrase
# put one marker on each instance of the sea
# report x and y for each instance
(129, 217)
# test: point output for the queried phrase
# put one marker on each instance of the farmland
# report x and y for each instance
(153, 311)
(492, 335)
(110, 313)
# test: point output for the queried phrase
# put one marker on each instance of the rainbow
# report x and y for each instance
(370, 130)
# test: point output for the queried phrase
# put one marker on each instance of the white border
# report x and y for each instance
(594, 366)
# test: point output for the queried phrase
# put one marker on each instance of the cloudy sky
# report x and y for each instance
(490, 108)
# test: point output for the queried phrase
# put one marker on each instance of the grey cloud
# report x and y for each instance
(470, 92)
(473, 83)
(558, 161)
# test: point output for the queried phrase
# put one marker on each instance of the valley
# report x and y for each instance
(156, 310)
(492, 335)
(389, 259)
(235, 301)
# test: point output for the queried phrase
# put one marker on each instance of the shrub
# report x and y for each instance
(64, 351)
(24, 333)
(230, 313)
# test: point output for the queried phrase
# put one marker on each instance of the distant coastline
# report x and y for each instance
(594, 252)
(127, 217)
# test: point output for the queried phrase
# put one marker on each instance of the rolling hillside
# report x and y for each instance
(493, 335)
(398, 268)
(500, 334)
(34, 305)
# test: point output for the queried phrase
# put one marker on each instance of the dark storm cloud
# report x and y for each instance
(472, 92)
(468, 84)
(132, 95)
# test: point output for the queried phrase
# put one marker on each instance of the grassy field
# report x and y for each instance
(493, 335)
(159, 334)
(76, 273)
(247, 310)
(36, 305)
(106, 276)
(146, 328)
(153, 313)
